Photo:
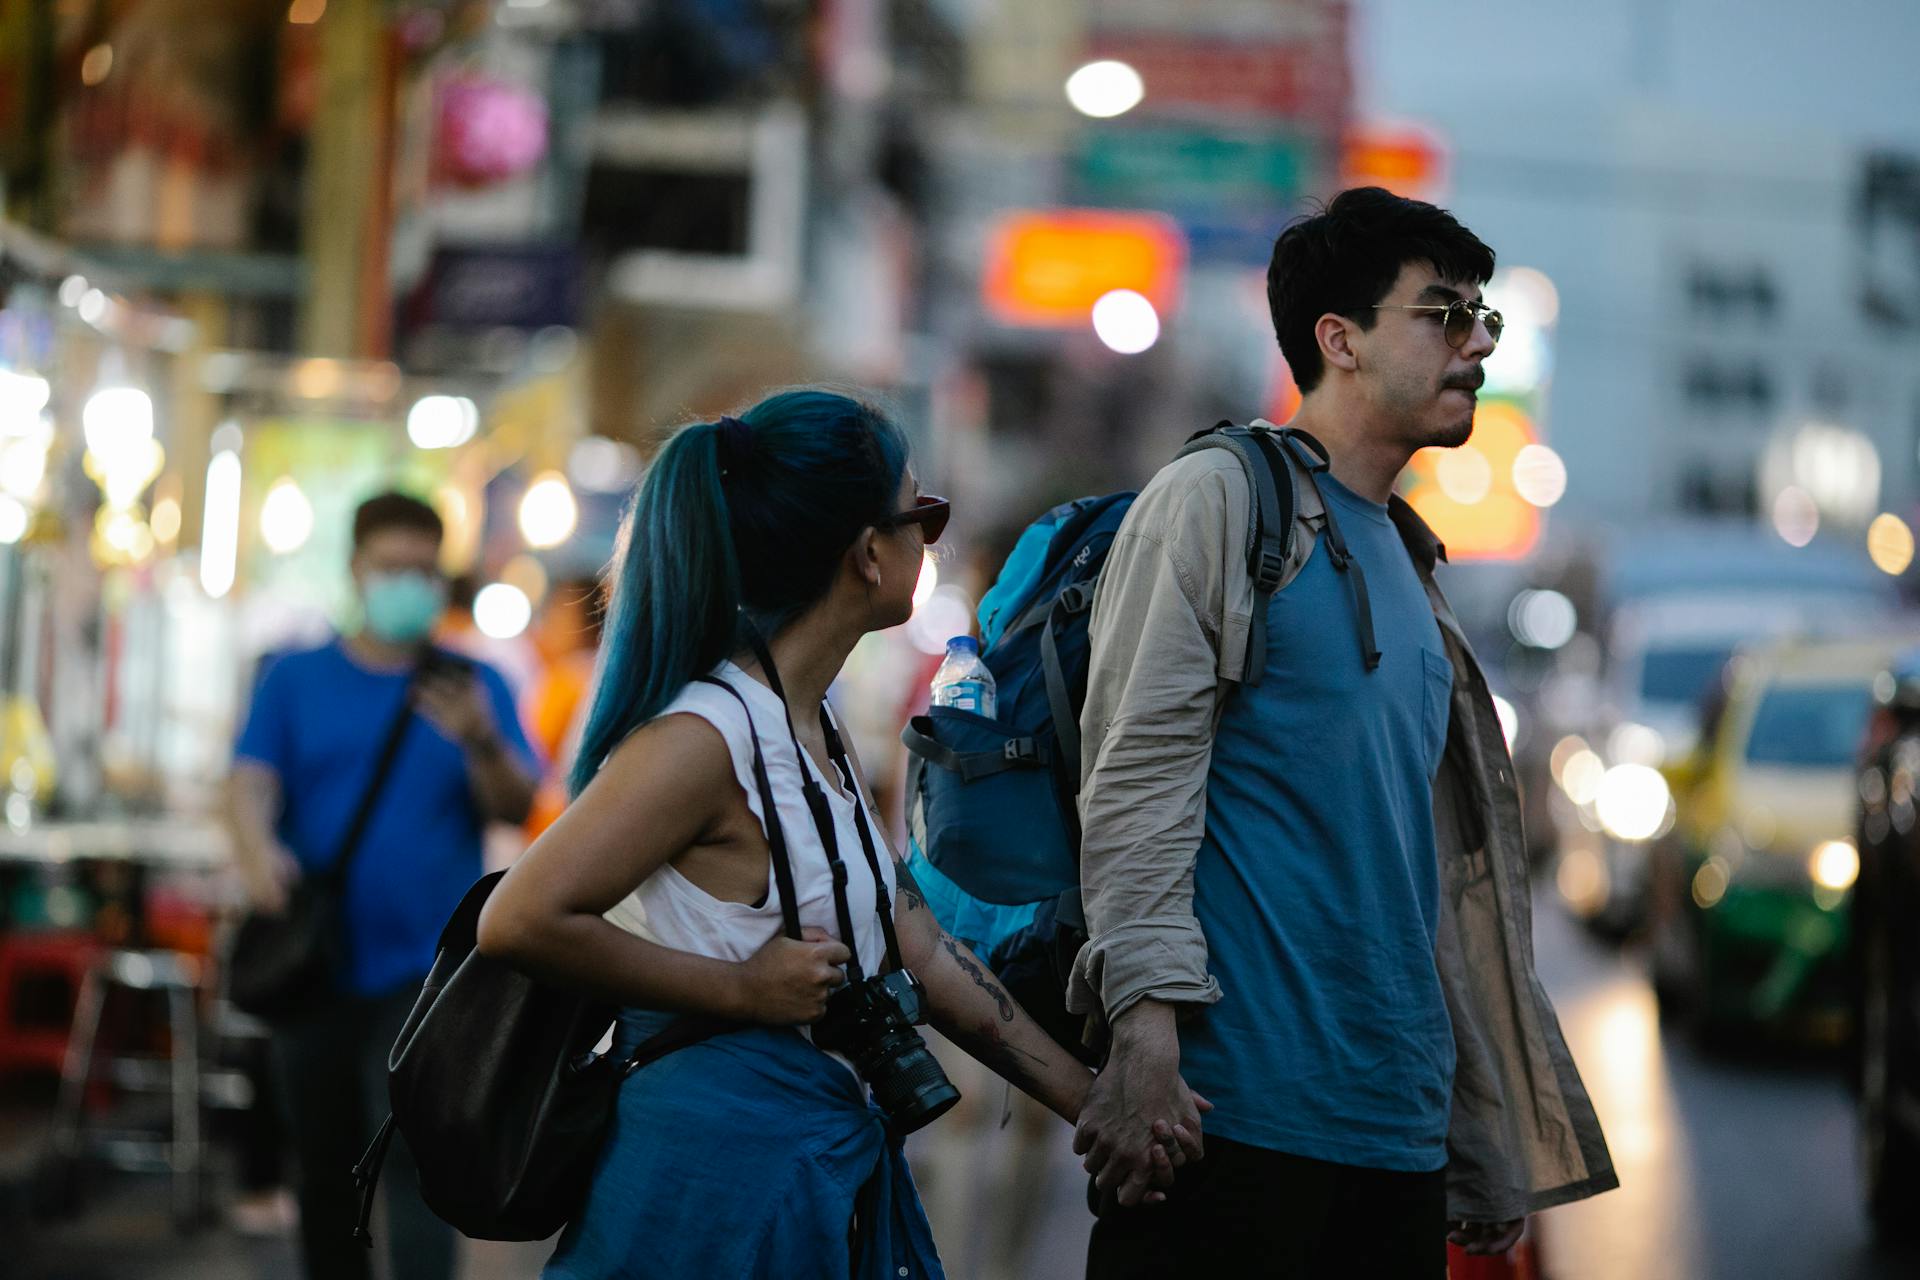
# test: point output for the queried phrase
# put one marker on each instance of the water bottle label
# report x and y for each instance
(965, 695)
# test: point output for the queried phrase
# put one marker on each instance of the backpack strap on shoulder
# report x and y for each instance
(1275, 500)
(1310, 456)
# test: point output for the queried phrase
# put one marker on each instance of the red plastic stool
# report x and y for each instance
(65, 955)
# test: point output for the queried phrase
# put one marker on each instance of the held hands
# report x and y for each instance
(1140, 1122)
(786, 983)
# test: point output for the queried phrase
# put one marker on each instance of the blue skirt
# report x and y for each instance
(749, 1155)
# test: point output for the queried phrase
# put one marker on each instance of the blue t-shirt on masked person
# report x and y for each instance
(317, 720)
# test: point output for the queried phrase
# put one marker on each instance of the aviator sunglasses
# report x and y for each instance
(1461, 314)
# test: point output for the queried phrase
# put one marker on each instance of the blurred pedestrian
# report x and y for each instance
(301, 769)
(759, 551)
(566, 636)
(1304, 874)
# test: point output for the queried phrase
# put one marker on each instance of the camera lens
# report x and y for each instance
(908, 1083)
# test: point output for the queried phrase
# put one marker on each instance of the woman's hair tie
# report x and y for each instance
(736, 442)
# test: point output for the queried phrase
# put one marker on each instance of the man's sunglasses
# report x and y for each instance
(928, 511)
(1461, 314)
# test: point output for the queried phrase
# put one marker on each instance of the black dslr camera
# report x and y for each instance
(872, 1022)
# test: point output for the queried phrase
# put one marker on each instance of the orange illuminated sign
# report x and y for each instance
(1405, 159)
(1467, 495)
(1047, 268)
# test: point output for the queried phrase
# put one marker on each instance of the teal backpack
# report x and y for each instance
(993, 813)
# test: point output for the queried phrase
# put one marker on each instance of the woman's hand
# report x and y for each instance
(786, 983)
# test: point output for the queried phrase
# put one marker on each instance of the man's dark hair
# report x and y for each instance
(394, 510)
(1345, 259)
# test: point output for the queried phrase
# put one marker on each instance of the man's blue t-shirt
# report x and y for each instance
(1317, 882)
(317, 720)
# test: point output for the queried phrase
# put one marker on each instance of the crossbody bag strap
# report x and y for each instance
(356, 828)
(883, 901)
(776, 835)
(816, 800)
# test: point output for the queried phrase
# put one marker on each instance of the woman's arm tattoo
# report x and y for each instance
(988, 1046)
(981, 979)
(909, 887)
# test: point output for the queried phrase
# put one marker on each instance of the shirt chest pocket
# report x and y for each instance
(1437, 700)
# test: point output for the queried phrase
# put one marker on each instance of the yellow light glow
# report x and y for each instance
(1834, 864)
(1581, 776)
(527, 575)
(1890, 543)
(304, 13)
(165, 520)
(548, 512)
(1582, 880)
(1563, 751)
(1632, 802)
(1710, 884)
(1464, 474)
(286, 517)
(97, 65)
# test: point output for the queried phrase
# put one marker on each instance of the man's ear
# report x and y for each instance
(1334, 334)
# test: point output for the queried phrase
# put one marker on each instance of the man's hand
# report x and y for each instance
(1487, 1239)
(1140, 1121)
(269, 885)
(453, 701)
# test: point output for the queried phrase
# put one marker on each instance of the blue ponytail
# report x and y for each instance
(734, 517)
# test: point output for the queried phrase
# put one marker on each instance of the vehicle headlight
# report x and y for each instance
(1834, 864)
(1633, 802)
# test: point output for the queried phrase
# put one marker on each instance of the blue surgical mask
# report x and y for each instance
(402, 607)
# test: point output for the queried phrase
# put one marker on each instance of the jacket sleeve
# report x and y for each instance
(1153, 691)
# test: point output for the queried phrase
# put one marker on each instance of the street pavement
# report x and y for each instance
(1733, 1166)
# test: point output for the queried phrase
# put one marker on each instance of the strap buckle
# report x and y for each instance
(1271, 563)
(1020, 751)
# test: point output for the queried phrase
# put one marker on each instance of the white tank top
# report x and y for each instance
(671, 910)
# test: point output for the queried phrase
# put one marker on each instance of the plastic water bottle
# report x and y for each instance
(963, 681)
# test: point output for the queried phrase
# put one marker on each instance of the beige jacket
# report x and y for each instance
(1169, 635)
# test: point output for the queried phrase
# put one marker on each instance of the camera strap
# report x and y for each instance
(816, 799)
(776, 836)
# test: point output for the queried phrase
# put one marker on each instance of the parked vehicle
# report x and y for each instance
(1750, 890)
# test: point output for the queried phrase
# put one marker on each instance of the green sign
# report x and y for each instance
(1181, 168)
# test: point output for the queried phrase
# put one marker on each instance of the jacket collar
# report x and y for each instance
(1425, 548)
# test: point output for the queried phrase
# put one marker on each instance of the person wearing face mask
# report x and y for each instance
(303, 766)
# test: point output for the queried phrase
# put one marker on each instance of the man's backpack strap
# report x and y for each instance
(1275, 500)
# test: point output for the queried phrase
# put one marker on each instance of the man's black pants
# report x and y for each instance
(1249, 1212)
(331, 1067)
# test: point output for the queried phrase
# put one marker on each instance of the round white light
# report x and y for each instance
(72, 289)
(1464, 474)
(1525, 296)
(501, 610)
(600, 465)
(1632, 802)
(442, 422)
(14, 519)
(1539, 475)
(22, 397)
(1636, 744)
(1542, 619)
(1563, 751)
(1834, 864)
(93, 306)
(1509, 719)
(286, 517)
(947, 612)
(118, 423)
(929, 579)
(23, 465)
(1582, 776)
(548, 512)
(1126, 321)
(1105, 89)
(1796, 518)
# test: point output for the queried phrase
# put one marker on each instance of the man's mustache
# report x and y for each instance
(1464, 381)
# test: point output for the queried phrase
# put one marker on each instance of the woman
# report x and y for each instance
(752, 1153)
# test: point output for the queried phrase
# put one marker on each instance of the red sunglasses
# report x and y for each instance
(931, 513)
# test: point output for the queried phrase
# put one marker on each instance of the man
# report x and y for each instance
(1307, 897)
(301, 767)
